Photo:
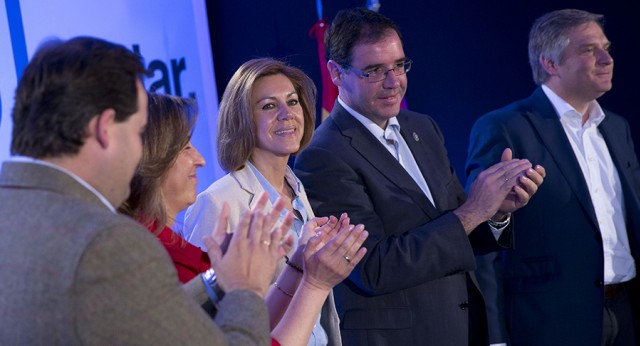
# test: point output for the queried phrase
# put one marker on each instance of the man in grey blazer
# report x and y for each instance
(75, 272)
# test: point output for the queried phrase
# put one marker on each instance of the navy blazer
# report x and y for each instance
(549, 288)
(414, 284)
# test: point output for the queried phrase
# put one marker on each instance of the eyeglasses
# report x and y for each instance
(377, 74)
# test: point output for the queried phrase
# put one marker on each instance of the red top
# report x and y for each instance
(188, 259)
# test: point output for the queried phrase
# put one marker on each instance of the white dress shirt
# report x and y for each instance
(603, 181)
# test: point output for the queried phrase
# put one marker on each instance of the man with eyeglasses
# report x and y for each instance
(388, 169)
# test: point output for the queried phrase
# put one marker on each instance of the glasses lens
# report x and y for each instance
(378, 76)
(407, 66)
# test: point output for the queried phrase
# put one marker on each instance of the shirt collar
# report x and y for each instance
(291, 179)
(376, 130)
(564, 109)
(67, 172)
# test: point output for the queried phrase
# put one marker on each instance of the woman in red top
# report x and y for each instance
(165, 184)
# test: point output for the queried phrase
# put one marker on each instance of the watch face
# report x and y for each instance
(209, 275)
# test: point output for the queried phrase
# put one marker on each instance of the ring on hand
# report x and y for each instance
(266, 242)
(348, 259)
(506, 180)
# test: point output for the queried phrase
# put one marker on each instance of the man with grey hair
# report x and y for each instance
(571, 277)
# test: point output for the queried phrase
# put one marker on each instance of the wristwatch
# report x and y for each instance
(214, 290)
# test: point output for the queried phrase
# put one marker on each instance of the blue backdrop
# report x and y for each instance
(469, 56)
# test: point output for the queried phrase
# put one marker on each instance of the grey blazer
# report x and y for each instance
(72, 272)
(238, 189)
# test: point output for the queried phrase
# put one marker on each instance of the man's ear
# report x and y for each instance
(550, 66)
(335, 71)
(103, 127)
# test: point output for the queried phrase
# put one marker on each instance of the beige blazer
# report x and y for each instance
(72, 272)
(240, 190)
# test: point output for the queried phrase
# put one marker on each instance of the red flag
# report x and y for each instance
(329, 90)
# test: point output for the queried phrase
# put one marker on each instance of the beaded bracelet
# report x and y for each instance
(290, 264)
(282, 290)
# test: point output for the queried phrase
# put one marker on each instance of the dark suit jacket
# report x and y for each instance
(412, 286)
(74, 273)
(553, 291)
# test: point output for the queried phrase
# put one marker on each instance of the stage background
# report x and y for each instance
(171, 35)
(469, 56)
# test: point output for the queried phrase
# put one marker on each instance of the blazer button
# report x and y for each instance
(464, 305)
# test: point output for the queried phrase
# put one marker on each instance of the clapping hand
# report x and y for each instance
(258, 242)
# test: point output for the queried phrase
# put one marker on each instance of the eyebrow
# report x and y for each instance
(273, 97)
(593, 44)
(368, 67)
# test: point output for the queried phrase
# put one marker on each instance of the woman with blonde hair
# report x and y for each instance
(267, 114)
(165, 184)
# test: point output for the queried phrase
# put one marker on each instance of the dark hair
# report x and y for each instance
(548, 37)
(169, 127)
(236, 125)
(355, 26)
(64, 86)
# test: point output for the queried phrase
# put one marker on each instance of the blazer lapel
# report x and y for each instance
(612, 135)
(377, 155)
(249, 183)
(616, 145)
(545, 121)
(425, 159)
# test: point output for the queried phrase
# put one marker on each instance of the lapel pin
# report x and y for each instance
(415, 137)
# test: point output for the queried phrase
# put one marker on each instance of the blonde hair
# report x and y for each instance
(170, 123)
(236, 126)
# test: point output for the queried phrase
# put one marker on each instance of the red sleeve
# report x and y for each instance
(274, 342)
(189, 260)
(185, 274)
